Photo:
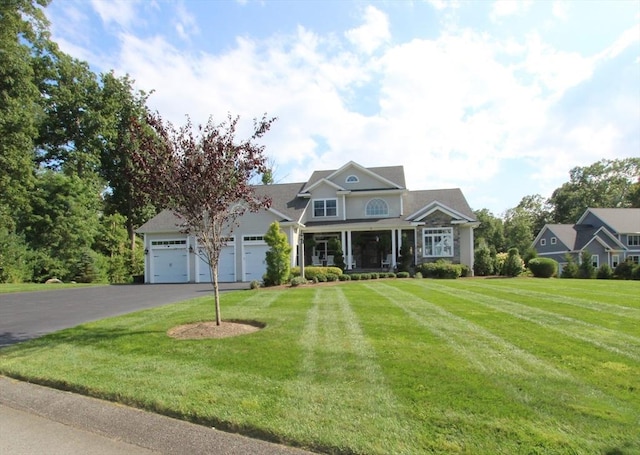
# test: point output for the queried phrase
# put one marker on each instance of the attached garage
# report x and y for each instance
(226, 266)
(169, 261)
(254, 264)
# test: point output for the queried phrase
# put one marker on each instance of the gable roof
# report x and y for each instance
(622, 220)
(165, 221)
(417, 203)
(394, 175)
(564, 232)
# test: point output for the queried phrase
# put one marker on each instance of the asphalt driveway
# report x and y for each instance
(28, 315)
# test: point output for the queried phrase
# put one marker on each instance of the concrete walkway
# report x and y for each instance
(36, 419)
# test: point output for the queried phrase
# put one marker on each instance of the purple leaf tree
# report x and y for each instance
(204, 176)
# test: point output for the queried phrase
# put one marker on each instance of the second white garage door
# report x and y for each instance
(170, 265)
(226, 267)
(254, 262)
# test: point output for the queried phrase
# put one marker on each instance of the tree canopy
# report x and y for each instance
(204, 175)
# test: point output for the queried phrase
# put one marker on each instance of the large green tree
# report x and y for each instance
(490, 232)
(22, 28)
(606, 183)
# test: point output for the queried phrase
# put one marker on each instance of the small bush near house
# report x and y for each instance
(332, 277)
(374, 275)
(586, 270)
(355, 276)
(311, 271)
(513, 265)
(466, 270)
(635, 274)
(391, 275)
(543, 267)
(624, 270)
(604, 272)
(418, 276)
(440, 269)
(365, 276)
(570, 270)
(297, 281)
(344, 277)
(483, 263)
(402, 275)
(255, 284)
(321, 277)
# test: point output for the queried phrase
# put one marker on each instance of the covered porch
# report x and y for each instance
(370, 250)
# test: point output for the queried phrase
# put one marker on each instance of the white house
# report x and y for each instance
(369, 210)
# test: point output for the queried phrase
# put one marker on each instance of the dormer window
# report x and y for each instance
(352, 179)
(377, 207)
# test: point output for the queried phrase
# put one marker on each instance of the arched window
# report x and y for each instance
(352, 179)
(377, 207)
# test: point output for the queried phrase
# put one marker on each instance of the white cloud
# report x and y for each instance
(120, 12)
(373, 33)
(185, 23)
(560, 9)
(504, 8)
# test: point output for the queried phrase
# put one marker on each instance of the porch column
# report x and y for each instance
(343, 238)
(394, 252)
(349, 251)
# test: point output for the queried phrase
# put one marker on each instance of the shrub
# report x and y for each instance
(375, 275)
(418, 275)
(624, 270)
(586, 269)
(402, 275)
(321, 277)
(514, 265)
(311, 271)
(355, 276)
(332, 277)
(440, 269)
(604, 272)
(465, 270)
(255, 284)
(365, 276)
(543, 267)
(277, 257)
(297, 281)
(391, 275)
(635, 274)
(344, 277)
(570, 270)
(483, 263)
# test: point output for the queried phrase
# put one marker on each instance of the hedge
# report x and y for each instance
(543, 267)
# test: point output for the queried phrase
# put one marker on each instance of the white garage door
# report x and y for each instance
(254, 260)
(170, 265)
(226, 266)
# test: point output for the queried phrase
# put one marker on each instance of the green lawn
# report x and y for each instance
(6, 288)
(477, 366)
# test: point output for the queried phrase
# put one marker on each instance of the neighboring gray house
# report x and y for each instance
(610, 235)
(369, 210)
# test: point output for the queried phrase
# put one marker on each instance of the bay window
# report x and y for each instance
(438, 242)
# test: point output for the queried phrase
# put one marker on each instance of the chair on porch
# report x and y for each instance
(330, 259)
(386, 263)
(315, 260)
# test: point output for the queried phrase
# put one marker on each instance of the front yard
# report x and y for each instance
(479, 366)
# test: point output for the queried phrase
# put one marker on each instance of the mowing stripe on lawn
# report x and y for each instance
(339, 371)
(617, 342)
(487, 352)
(618, 310)
(551, 394)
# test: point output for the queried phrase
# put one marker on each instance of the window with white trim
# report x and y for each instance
(438, 242)
(595, 260)
(377, 207)
(325, 208)
(633, 240)
(554, 240)
(634, 258)
(615, 260)
(543, 242)
(352, 179)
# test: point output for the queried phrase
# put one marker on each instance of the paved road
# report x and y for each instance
(29, 315)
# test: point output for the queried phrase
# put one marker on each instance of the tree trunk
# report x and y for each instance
(216, 293)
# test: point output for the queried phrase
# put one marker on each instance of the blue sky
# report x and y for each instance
(499, 98)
